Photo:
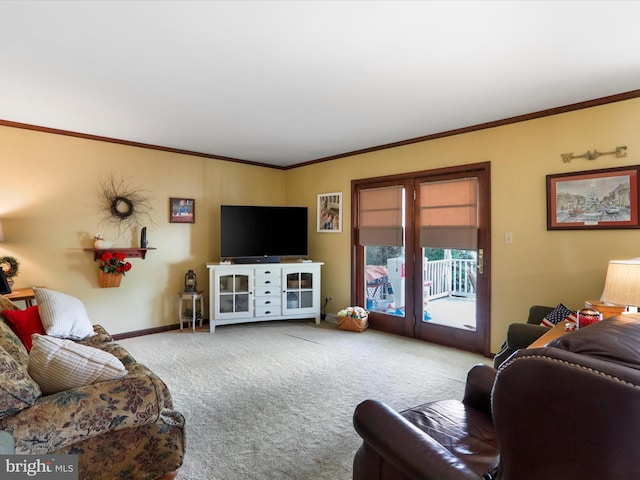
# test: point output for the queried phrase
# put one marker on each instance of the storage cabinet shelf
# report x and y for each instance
(262, 292)
(128, 252)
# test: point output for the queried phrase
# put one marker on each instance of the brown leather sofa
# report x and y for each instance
(565, 411)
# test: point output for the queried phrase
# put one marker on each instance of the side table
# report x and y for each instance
(552, 334)
(606, 309)
(22, 294)
(193, 297)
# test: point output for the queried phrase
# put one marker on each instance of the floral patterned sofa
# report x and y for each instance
(121, 428)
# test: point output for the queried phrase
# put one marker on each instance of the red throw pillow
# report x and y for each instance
(25, 323)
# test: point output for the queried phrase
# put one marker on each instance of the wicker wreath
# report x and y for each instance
(124, 206)
(10, 266)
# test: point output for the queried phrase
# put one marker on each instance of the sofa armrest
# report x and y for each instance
(477, 392)
(64, 418)
(407, 448)
(537, 313)
(101, 336)
(521, 335)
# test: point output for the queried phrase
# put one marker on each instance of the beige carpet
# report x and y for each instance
(274, 401)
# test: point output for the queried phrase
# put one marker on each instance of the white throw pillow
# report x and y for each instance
(57, 364)
(62, 315)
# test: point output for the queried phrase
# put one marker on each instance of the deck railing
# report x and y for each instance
(449, 278)
(442, 278)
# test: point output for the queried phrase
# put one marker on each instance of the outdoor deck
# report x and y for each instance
(457, 312)
(449, 291)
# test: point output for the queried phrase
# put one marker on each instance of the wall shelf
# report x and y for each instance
(128, 252)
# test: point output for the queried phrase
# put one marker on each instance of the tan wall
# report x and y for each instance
(49, 198)
(545, 267)
(50, 194)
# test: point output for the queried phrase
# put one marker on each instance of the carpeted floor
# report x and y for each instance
(274, 400)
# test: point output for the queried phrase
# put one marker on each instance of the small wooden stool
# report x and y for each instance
(192, 296)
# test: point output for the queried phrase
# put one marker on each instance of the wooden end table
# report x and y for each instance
(25, 295)
(605, 309)
(552, 334)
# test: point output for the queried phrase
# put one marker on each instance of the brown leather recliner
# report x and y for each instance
(566, 411)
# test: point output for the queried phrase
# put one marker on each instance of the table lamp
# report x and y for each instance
(622, 285)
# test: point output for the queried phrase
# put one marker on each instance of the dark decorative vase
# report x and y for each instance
(143, 238)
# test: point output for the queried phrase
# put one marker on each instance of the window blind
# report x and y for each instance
(380, 216)
(449, 214)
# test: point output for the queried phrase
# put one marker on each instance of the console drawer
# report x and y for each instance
(268, 311)
(267, 302)
(267, 291)
(267, 280)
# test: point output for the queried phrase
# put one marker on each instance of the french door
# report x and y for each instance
(421, 251)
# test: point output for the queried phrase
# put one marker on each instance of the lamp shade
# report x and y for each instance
(622, 285)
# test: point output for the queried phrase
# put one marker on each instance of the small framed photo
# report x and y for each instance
(182, 210)
(330, 212)
(593, 200)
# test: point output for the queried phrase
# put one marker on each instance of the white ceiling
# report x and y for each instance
(285, 82)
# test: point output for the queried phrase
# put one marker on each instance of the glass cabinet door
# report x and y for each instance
(233, 294)
(299, 296)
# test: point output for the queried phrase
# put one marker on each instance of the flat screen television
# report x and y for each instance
(262, 234)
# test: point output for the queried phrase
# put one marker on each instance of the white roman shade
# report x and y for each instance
(449, 214)
(380, 216)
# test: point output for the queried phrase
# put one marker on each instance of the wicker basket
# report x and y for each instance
(346, 322)
(109, 280)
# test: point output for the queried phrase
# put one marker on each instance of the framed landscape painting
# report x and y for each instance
(595, 199)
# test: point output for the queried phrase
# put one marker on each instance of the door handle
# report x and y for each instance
(480, 261)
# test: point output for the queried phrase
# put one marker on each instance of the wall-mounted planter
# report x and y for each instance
(109, 280)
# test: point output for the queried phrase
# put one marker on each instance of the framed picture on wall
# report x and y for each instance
(593, 200)
(182, 210)
(330, 212)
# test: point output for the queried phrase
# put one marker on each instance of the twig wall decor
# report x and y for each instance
(124, 206)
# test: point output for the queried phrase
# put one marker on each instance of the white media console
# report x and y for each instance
(240, 293)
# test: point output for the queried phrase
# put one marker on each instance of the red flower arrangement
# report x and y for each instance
(114, 263)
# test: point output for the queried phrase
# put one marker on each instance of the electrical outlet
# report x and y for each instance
(329, 299)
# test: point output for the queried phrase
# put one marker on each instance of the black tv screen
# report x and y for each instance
(258, 232)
